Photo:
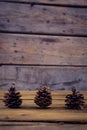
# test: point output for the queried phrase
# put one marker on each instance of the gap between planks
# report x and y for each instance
(32, 3)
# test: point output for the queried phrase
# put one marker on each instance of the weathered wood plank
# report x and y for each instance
(59, 2)
(31, 49)
(30, 78)
(42, 19)
(45, 126)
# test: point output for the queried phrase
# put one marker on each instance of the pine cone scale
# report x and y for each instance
(43, 97)
(74, 100)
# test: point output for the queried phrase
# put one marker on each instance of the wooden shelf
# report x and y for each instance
(30, 112)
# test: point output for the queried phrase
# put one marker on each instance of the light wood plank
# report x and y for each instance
(60, 2)
(31, 49)
(56, 98)
(27, 103)
(42, 19)
(56, 95)
(30, 112)
(54, 92)
(39, 114)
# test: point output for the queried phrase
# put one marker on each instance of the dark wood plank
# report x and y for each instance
(53, 50)
(42, 19)
(32, 77)
(57, 2)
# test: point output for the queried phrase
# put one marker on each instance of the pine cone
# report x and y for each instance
(75, 100)
(12, 98)
(43, 97)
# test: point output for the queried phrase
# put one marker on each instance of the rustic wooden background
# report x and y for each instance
(43, 42)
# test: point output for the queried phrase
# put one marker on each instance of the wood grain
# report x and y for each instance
(43, 126)
(46, 115)
(42, 19)
(58, 95)
(32, 77)
(60, 2)
(42, 50)
(30, 112)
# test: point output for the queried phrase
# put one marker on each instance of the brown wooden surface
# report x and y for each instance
(32, 77)
(42, 19)
(61, 2)
(30, 112)
(31, 49)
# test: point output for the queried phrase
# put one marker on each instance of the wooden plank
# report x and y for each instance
(42, 19)
(6, 123)
(36, 49)
(30, 112)
(46, 127)
(54, 92)
(55, 103)
(58, 99)
(32, 77)
(56, 95)
(56, 2)
(31, 103)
